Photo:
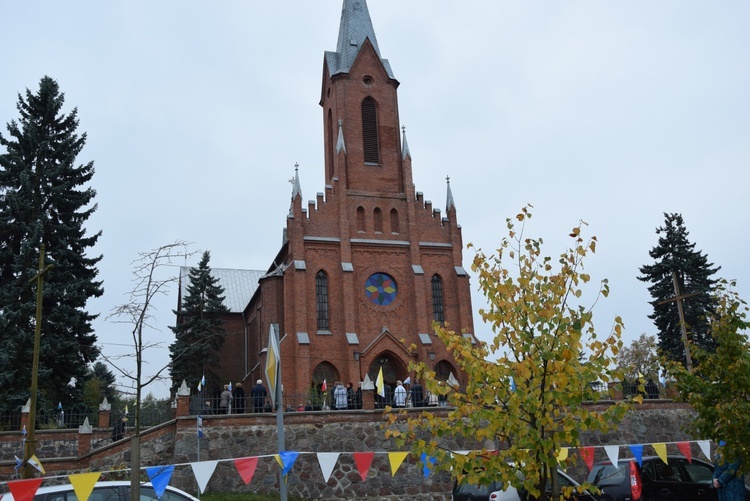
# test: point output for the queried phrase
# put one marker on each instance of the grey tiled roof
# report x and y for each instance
(354, 29)
(239, 285)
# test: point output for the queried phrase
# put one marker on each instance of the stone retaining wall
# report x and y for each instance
(237, 436)
(362, 431)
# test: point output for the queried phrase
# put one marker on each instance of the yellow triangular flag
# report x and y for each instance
(661, 451)
(562, 454)
(278, 460)
(83, 484)
(379, 384)
(34, 461)
(396, 458)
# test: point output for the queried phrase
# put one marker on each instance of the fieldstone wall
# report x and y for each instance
(307, 433)
(246, 435)
(361, 431)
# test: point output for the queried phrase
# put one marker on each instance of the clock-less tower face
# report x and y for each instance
(381, 289)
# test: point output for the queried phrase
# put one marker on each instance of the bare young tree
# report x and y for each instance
(152, 277)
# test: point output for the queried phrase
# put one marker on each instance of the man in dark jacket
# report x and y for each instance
(259, 395)
(238, 399)
(417, 394)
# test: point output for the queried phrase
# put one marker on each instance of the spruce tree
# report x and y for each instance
(199, 333)
(44, 198)
(675, 252)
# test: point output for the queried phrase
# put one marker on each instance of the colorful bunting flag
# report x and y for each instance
(684, 448)
(379, 383)
(396, 458)
(562, 454)
(613, 453)
(587, 453)
(363, 460)
(705, 447)
(512, 384)
(426, 462)
(160, 477)
(246, 468)
(24, 490)
(407, 380)
(83, 484)
(661, 451)
(327, 461)
(325, 386)
(637, 451)
(202, 471)
(287, 461)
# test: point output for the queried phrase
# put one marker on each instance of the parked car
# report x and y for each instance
(106, 491)
(498, 492)
(676, 480)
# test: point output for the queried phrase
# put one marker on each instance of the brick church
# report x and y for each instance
(365, 265)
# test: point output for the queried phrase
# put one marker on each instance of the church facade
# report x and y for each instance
(367, 266)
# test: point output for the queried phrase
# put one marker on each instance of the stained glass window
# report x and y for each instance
(381, 289)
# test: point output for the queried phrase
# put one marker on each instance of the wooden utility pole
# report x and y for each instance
(30, 449)
(678, 299)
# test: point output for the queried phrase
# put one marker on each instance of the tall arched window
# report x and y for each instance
(377, 217)
(360, 219)
(394, 221)
(438, 313)
(321, 300)
(370, 131)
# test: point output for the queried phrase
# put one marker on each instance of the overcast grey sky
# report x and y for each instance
(609, 112)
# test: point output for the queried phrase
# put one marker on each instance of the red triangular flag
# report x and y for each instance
(587, 453)
(363, 460)
(24, 490)
(246, 468)
(685, 450)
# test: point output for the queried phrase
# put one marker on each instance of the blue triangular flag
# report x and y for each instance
(426, 462)
(512, 384)
(637, 451)
(287, 459)
(160, 477)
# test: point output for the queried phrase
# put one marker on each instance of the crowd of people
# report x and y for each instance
(320, 397)
(236, 401)
(414, 396)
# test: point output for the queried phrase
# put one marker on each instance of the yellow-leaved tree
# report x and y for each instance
(524, 404)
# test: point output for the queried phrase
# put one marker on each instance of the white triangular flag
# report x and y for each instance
(203, 471)
(613, 453)
(327, 461)
(705, 448)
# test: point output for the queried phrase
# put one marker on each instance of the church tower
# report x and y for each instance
(369, 264)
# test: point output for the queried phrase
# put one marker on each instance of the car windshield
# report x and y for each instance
(607, 474)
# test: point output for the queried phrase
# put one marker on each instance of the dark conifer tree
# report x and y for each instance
(199, 333)
(675, 252)
(44, 198)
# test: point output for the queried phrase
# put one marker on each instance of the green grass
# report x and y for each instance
(242, 496)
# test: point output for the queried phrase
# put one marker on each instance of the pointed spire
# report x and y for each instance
(449, 203)
(297, 190)
(340, 146)
(404, 145)
(354, 29)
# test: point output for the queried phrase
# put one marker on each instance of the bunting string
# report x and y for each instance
(160, 476)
